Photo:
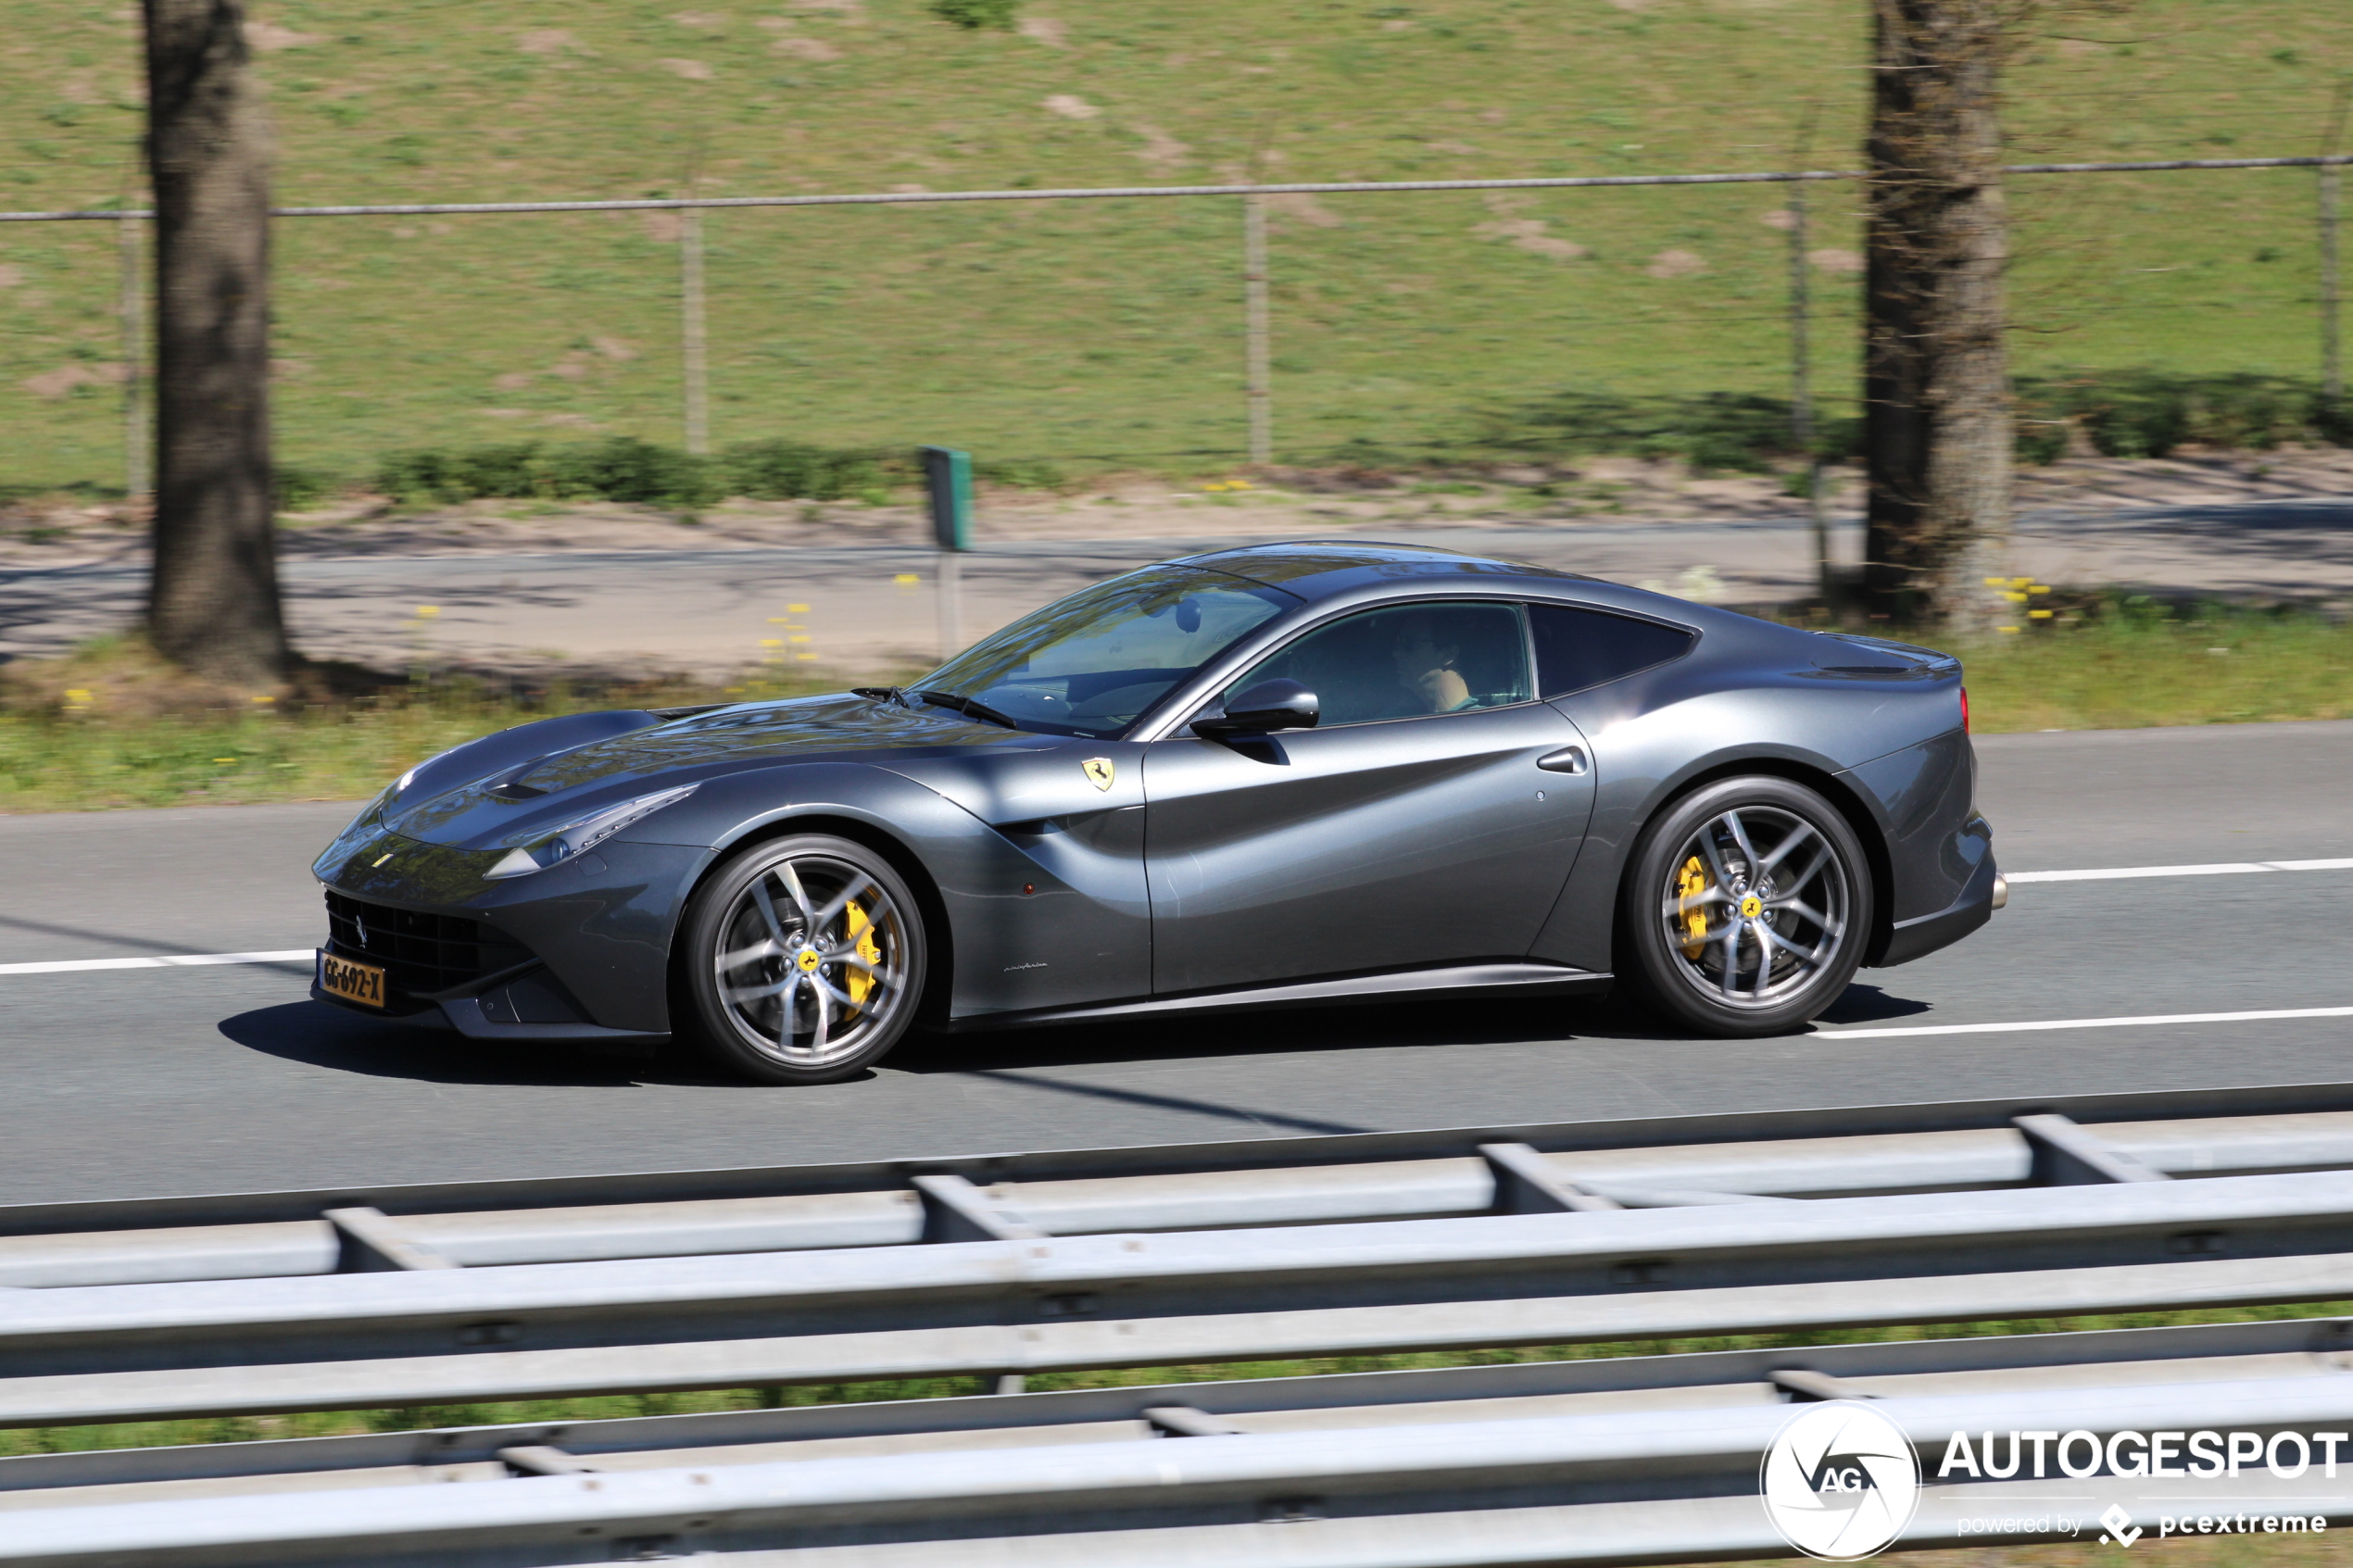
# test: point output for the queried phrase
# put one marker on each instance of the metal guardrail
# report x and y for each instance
(1602, 1462)
(1777, 1221)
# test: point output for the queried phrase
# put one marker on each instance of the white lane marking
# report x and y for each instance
(2226, 868)
(2143, 1020)
(178, 960)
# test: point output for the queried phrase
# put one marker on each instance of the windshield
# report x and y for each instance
(1088, 665)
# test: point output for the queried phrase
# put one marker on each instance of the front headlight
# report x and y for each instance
(579, 837)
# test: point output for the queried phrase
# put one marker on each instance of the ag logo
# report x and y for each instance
(1099, 772)
(1840, 1482)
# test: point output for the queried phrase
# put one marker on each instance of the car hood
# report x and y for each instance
(518, 802)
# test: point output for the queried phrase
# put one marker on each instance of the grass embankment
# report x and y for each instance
(112, 726)
(86, 733)
(1112, 330)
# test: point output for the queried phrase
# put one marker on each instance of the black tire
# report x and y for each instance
(1692, 905)
(771, 999)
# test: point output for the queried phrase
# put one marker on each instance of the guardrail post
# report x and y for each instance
(371, 1244)
(1803, 1385)
(1526, 1183)
(954, 1209)
(2066, 1155)
(1184, 1420)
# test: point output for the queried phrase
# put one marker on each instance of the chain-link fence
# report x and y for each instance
(1710, 314)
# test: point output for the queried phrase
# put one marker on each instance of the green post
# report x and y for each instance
(948, 474)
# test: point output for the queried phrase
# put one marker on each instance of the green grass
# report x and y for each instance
(95, 731)
(2134, 664)
(1110, 331)
(109, 726)
(149, 1433)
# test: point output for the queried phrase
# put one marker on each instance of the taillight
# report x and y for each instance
(1964, 710)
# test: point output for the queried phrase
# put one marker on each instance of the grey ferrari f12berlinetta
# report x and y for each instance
(1293, 774)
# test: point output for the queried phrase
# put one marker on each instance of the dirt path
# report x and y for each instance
(1614, 492)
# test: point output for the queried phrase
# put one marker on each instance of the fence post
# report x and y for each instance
(1260, 367)
(2332, 185)
(135, 446)
(691, 331)
(1801, 368)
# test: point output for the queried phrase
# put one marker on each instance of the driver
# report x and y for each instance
(1426, 667)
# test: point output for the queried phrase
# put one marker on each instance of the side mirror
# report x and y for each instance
(1278, 704)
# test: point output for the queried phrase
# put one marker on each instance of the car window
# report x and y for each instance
(1577, 647)
(1407, 661)
(1089, 664)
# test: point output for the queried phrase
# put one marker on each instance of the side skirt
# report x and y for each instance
(1463, 981)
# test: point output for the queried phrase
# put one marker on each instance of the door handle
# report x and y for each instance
(1567, 759)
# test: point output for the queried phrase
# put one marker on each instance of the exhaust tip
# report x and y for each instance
(2001, 890)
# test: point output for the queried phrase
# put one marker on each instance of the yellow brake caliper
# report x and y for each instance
(1691, 882)
(859, 983)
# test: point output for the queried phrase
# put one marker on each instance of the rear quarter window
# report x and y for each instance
(1577, 647)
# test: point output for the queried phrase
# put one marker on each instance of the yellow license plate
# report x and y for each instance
(362, 982)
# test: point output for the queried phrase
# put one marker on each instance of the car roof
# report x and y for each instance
(1324, 569)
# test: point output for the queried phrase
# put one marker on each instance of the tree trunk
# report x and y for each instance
(213, 601)
(1935, 384)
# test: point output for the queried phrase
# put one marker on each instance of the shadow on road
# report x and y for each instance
(1395, 1026)
(319, 1035)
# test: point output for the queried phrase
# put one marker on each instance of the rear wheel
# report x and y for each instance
(803, 960)
(1747, 908)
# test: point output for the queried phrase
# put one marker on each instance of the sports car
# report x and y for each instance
(1279, 775)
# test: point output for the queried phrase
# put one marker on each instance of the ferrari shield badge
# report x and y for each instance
(1099, 772)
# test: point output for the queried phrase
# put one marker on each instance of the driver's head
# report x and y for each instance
(1418, 653)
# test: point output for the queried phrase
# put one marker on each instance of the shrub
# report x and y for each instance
(1713, 430)
(2148, 413)
(786, 470)
(2129, 413)
(975, 15)
(299, 489)
(624, 468)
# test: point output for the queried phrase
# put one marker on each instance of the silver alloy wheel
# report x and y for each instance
(1756, 904)
(811, 962)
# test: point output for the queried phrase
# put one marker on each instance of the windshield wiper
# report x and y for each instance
(967, 706)
(883, 694)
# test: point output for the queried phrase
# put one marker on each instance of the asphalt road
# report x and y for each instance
(124, 1081)
(866, 608)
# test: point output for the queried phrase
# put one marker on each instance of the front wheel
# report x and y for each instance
(802, 959)
(1747, 906)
